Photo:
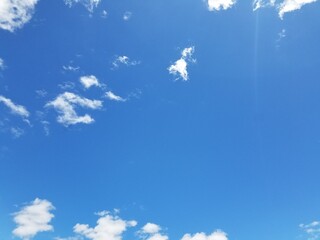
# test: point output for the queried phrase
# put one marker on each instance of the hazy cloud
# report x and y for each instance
(89, 4)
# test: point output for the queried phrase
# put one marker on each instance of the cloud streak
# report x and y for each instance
(14, 108)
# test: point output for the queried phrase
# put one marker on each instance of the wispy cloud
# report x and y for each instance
(70, 68)
(263, 3)
(217, 235)
(1, 64)
(89, 81)
(90, 5)
(14, 108)
(108, 227)
(111, 96)
(124, 60)
(66, 103)
(33, 219)
(16, 132)
(14, 14)
(312, 230)
(127, 16)
(217, 5)
(180, 66)
(292, 5)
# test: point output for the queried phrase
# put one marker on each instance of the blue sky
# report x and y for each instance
(157, 120)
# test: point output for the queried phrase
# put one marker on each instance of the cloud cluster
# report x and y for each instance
(217, 5)
(66, 103)
(124, 60)
(90, 5)
(15, 13)
(312, 230)
(108, 227)
(180, 66)
(14, 108)
(217, 235)
(33, 219)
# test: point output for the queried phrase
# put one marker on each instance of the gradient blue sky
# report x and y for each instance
(231, 150)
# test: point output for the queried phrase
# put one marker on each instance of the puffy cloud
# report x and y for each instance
(125, 60)
(111, 96)
(180, 66)
(312, 230)
(217, 235)
(89, 4)
(127, 15)
(15, 13)
(151, 228)
(15, 109)
(108, 228)
(292, 5)
(65, 105)
(217, 5)
(33, 219)
(89, 81)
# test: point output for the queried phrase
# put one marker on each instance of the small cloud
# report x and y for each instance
(292, 5)
(257, 4)
(90, 5)
(151, 231)
(151, 228)
(89, 81)
(312, 230)
(111, 96)
(127, 16)
(33, 219)
(15, 14)
(65, 105)
(180, 66)
(217, 235)
(15, 109)
(282, 34)
(16, 132)
(41, 93)
(104, 14)
(66, 86)
(108, 227)
(70, 68)
(217, 5)
(2, 66)
(124, 60)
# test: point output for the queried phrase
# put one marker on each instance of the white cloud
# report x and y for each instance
(1, 62)
(15, 109)
(292, 5)
(217, 5)
(180, 66)
(15, 13)
(263, 3)
(65, 105)
(16, 132)
(108, 227)
(312, 230)
(217, 235)
(125, 60)
(127, 16)
(33, 219)
(111, 96)
(90, 5)
(70, 68)
(89, 81)
(151, 228)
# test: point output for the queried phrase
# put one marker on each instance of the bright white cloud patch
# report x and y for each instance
(65, 105)
(263, 3)
(312, 230)
(111, 96)
(217, 5)
(217, 235)
(124, 60)
(180, 66)
(33, 219)
(151, 231)
(89, 81)
(1, 64)
(89, 4)
(108, 228)
(127, 15)
(15, 13)
(292, 5)
(151, 228)
(14, 108)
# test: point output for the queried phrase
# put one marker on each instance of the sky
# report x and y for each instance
(159, 120)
